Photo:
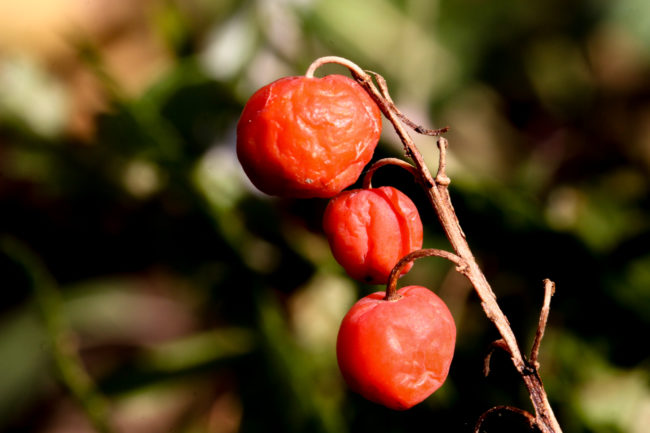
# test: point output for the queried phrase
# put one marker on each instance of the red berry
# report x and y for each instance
(397, 353)
(369, 230)
(307, 137)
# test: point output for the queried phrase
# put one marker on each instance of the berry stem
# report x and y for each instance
(438, 194)
(530, 418)
(391, 287)
(353, 67)
(367, 178)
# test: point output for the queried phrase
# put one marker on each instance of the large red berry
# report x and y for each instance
(397, 353)
(369, 230)
(307, 137)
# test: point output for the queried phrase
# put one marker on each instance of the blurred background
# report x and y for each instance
(147, 287)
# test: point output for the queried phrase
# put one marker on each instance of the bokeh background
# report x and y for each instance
(147, 287)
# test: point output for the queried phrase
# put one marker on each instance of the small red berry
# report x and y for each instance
(369, 230)
(397, 353)
(307, 137)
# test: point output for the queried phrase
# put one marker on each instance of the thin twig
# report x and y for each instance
(441, 177)
(549, 290)
(383, 87)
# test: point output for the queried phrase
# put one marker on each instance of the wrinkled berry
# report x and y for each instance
(307, 137)
(369, 230)
(397, 353)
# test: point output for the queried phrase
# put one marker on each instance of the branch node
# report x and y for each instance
(530, 367)
(443, 180)
(462, 268)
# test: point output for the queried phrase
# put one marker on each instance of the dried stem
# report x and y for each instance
(438, 194)
(549, 290)
(497, 344)
(530, 418)
(391, 287)
(367, 178)
(441, 177)
(383, 87)
(353, 67)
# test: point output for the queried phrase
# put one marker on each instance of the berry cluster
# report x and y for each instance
(308, 137)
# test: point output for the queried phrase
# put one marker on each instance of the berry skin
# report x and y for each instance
(397, 353)
(369, 230)
(307, 137)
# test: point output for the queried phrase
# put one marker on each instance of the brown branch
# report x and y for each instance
(438, 194)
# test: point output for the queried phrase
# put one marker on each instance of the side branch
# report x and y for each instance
(549, 290)
(383, 87)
